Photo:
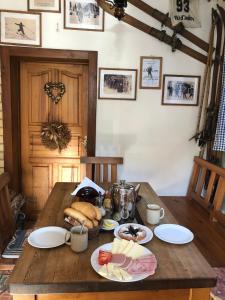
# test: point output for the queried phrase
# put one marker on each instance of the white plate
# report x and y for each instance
(47, 237)
(174, 234)
(108, 247)
(110, 221)
(149, 234)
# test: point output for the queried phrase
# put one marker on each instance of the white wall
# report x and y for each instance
(153, 139)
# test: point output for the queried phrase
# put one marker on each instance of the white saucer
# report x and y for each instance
(48, 237)
(174, 234)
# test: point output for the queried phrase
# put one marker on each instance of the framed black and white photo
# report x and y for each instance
(45, 5)
(180, 90)
(83, 15)
(20, 28)
(151, 72)
(119, 84)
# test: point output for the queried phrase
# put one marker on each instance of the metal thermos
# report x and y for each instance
(123, 197)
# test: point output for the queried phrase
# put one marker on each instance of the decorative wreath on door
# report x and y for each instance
(55, 135)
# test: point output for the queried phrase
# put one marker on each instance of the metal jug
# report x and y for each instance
(123, 197)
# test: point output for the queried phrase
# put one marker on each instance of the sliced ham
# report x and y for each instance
(127, 262)
(142, 265)
(118, 259)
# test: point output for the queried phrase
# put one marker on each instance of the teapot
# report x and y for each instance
(123, 196)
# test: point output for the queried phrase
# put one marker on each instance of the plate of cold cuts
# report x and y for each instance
(135, 232)
(123, 261)
(173, 234)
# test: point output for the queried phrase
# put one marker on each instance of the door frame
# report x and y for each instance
(11, 57)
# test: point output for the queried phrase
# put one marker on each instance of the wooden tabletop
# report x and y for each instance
(59, 270)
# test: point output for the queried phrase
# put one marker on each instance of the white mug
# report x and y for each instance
(154, 213)
(78, 238)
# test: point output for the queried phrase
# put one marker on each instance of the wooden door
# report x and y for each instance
(42, 167)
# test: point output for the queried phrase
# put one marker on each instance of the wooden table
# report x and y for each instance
(43, 274)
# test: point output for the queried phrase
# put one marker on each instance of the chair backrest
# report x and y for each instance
(102, 169)
(207, 187)
(7, 222)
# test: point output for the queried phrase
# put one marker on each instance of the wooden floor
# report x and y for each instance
(209, 237)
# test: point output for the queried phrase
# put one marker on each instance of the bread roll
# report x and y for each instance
(98, 213)
(79, 217)
(95, 223)
(87, 209)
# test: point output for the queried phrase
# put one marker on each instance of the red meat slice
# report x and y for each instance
(127, 262)
(143, 265)
(118, 258)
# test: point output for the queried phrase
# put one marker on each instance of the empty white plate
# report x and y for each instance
(47, 237)
(173, 233)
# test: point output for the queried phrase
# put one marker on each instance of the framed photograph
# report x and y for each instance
(20, 28)
(83, 15)
(45, 5)
(120, 84)
(151, 72)
(180, 90)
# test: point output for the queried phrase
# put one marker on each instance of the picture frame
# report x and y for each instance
(44, 5)
(117, 84)
(20, 28)
(181, 90)
(83, 15)
(150, 72)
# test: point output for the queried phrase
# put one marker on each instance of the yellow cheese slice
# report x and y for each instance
(128, 247)
(125, 275)
(103, 271)
(136, 251)
(115, 245)
(122, 246)
(117, 274)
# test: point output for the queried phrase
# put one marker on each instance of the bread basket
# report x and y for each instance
(94, 232)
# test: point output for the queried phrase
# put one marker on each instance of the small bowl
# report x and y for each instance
(112, 224)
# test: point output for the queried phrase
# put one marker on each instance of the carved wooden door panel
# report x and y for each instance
(42, 167)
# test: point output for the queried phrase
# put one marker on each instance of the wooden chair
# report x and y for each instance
(207, 187)
(7, 222)
(102, 169)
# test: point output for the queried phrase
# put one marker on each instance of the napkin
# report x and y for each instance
(88, 182)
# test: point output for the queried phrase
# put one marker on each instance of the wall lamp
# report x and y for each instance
(119, 6)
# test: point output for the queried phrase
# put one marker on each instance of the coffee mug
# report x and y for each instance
(78, 238)
(154, 213)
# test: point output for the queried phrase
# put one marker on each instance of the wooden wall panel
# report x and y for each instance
(42, 179)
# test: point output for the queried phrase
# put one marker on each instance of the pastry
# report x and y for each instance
(132, 232)
(95, 223)
(87, 209)
(98, 213)
(77, 215)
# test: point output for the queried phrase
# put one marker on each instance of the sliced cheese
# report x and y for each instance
(117, 274)
(136, 251)
(115, 245)
(110, 267)
(126, 276)
(103, 271)
(123, 245)
(128, 247)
